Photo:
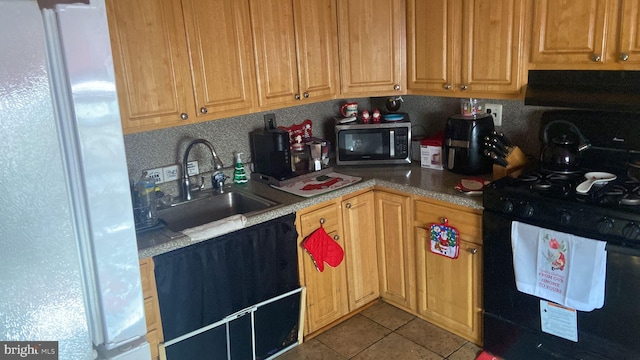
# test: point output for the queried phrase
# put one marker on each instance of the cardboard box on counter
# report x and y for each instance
(431, 152)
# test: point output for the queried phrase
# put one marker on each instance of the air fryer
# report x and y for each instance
(463, 144)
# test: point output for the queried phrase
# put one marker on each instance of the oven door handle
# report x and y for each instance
(622, 250)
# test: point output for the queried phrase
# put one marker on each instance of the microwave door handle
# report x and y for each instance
(392, 143)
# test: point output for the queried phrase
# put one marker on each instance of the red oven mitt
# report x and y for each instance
(322, 248)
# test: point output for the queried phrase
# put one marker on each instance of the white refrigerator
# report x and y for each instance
(69, 268)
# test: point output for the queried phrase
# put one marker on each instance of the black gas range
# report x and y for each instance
(547, 199)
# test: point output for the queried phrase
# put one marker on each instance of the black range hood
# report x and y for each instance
(584, 89)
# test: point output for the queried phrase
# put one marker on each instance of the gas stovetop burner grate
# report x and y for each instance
(550, 183)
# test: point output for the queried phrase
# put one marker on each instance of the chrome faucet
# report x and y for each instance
(217, 165)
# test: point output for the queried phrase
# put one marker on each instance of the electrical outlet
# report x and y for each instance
(496, 111)
(156, 174)
(170, 173)
(192, 168)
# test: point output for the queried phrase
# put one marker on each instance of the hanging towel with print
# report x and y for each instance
(563, 268)
(445, 239)
(322, 248)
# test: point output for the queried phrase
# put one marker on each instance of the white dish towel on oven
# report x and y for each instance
(563, 268)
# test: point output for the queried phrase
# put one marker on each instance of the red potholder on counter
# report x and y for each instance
(322, 248)
(445, 239)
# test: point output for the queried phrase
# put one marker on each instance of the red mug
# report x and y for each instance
(349, 109)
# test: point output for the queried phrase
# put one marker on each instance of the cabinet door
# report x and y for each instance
(395, 249)
(151, 63)
(430, 46)
(570, 32)
(221, 56)
(492, 34)
(151, 308)
(360, 249)
(471, 47)
(372, 46)
(275, 51)
(327, 290)
(629, 51)
(316, 27)
(449, 290)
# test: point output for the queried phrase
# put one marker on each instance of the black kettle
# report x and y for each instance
(563, 145)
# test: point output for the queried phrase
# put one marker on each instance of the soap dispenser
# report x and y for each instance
(239, 175)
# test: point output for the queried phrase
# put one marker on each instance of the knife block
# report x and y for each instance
(516, 161)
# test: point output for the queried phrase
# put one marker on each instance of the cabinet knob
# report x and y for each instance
(336, 237)
(596, 58)
(297, 97)
(624, 56)
(463, 87)
(322, 220)
(184, 116)
(348, 206)
(473, 251)
(447, 86)
(306, 95)
(204, 110)
(396, 87)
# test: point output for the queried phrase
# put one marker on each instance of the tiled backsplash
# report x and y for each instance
(428, 114)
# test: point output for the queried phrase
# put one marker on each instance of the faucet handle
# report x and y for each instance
(217, 180)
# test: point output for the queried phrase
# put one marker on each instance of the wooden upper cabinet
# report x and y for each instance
(492, 37)
(465, 47)
(629, 39)
(571, 31)
(316, 24)
(586, 34)
(372, 47)
(175, 65)
(151, 63)
(295, 49)
(219, 39)
(430, 45)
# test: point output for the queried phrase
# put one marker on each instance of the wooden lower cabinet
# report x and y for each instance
(151, 306)
(449, 290)
(336, 292)
(326, 299)
(358, 215)
(395, 249)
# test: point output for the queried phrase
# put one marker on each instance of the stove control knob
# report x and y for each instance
(527, 210)
(507, 206)
(604, 226)
(565, 218)
(631, 231)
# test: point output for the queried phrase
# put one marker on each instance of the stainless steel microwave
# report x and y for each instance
(380, 143)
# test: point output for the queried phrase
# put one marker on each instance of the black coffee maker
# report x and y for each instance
(463, 144)
(271, 155)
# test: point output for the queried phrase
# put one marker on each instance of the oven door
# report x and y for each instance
(512, 319)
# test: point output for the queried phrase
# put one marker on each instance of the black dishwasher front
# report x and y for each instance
(201, 284)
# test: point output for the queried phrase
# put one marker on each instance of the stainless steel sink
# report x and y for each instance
(210, 207)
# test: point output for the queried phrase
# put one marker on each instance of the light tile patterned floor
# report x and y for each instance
(384, 332)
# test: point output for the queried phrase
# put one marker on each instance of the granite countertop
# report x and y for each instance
(410, 178)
